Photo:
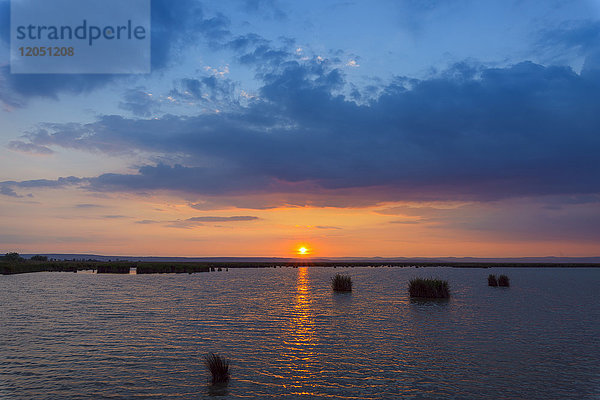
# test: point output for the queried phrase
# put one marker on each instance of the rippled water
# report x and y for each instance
(84, 336)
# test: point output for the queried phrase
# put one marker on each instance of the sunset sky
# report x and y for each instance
(360, 128)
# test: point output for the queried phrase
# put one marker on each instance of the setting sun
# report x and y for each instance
(302, 251)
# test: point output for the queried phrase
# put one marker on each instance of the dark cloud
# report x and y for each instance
(45, 183)
(265, 55)
(175, 25)
(139, 102)
(470, 133)
(215, 29)
(215, 90)
(5, 21)
(7, 191)
(208, 181)
(243, 42)
(580, 37)
(16, 89)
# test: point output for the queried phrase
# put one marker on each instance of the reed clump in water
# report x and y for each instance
(113, 268)
(218, 367)
(167, 268)
(492, 280)
(341, 283)
(429, 288)
(503, 281)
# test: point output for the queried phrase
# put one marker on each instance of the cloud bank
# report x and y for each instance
(469, 133)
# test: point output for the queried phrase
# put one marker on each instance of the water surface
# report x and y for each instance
(87, 336)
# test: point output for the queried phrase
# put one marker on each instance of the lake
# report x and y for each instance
(88, 336)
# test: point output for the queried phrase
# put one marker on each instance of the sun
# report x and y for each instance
(303, 251)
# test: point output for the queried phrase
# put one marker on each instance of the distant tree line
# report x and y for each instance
(12, 257)
(16, 257)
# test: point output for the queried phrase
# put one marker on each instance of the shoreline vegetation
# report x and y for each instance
(341, 283)
(12, 263)
(502, 281)
(218, 366)
(428, 288)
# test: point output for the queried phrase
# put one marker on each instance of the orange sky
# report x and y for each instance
(74, 221)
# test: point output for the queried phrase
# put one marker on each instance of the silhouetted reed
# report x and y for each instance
(503, 281)
(165, 268)
(218, 367)
(492, 280)
(112, 269)
(341, 283)
(428, 288)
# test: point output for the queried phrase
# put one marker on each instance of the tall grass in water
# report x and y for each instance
(429, 288)
(341, 283)
(113, 268)
(492, 280)
(218, 367)
(503, 281)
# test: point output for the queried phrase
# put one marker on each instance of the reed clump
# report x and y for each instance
(429, 288)
(167, 268)
(341, 283)
(492, 280)
(503, 281)
(218, 367)
(113, 269)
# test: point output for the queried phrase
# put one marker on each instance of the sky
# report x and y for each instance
(351, 128)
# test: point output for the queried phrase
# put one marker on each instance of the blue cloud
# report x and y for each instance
(209, 89)
(470, 133)
(581, 36)
(139, 102)
(7, 191)
(44, 183)
(243, 42)
(19, 145)
(175, 25)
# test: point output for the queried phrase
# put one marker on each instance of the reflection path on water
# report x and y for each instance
(299, 338)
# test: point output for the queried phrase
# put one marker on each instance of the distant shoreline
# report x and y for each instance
(123, 266)
(375, 260)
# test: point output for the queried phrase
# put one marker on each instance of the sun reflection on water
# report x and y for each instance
(300, 335)
(301, 317)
